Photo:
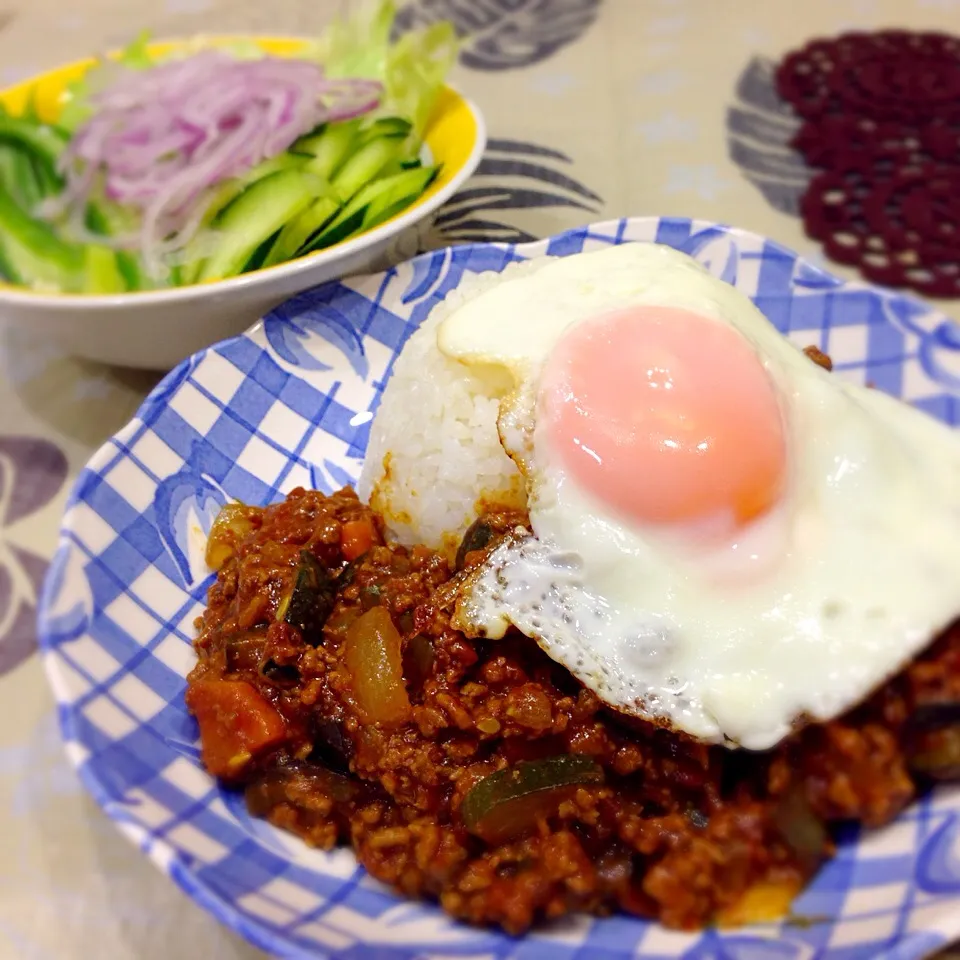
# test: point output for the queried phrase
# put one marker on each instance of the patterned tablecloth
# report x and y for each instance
(596, 109)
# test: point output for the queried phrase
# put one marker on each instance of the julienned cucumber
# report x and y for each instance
(366, 163)
(386, 127)
(374, 203)
(299, 230)
(327, 148)
(229, 190)
(223, 197)
(108, 220)
(258, 213)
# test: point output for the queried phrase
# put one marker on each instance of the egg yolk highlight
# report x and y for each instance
(667, 416)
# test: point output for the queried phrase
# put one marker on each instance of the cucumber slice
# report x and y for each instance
(259, 255)
(102, 271)
(386, 127)
(329, 148)
(375, 203)
(109, 220)
(365, 164)
(32, 255)
(258, 213)
(298, 231)
(229, 190)
(222, 198)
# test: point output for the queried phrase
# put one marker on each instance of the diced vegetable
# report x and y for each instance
(332, 746)
(280, 675)
(933, 739)
(236, 724)
(372, 656)
(802, 830)
(348, 574)
(243, 651)
(297, 781)
(478, 535)
(418, 656)
(310, 600)
(369, 596)
(936, 753)
(935, 714)
(232, 524)
(764, 902)
(356, 538)
(256, 215)
(509, 802)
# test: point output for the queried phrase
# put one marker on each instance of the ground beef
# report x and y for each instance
(664, 827)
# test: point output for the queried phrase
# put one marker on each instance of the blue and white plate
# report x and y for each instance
(289, 404)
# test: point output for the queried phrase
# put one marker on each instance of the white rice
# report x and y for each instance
(435, 456)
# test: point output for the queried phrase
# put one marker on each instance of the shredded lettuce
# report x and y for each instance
(417, 66)
(77, 105)
(357, 46)
(412, 69)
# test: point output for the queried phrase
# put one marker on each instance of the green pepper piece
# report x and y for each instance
(18, 175)
(42, 142)
(508, 803)
(32, 255)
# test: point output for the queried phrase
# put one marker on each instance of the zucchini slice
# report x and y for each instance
(509, 802)
(256, 215)
(310, 599)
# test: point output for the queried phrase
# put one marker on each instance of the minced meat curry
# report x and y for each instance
(332, 690)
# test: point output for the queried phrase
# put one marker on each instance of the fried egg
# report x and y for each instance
(726, 539)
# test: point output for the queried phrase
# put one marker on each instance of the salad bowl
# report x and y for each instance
(155, 329)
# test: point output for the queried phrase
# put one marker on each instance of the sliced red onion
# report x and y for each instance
(162, 138)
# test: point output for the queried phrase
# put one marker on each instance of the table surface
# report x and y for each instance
(612, 107)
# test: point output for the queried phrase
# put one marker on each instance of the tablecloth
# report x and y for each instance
(596, 109)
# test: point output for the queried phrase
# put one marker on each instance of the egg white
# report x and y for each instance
(834, 591)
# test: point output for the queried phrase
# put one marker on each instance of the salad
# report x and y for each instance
(206, 164)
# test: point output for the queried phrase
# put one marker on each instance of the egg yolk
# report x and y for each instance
(667, 416)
